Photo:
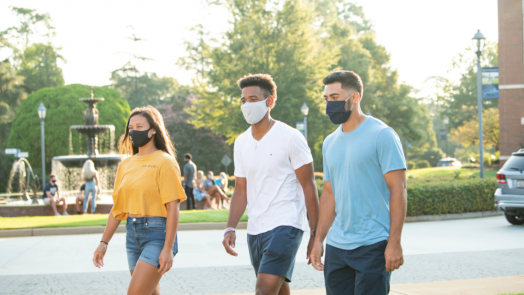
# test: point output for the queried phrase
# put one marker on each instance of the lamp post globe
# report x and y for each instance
(41, 114)
(305, 110)
(478, 44)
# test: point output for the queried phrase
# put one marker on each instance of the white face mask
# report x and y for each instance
(210, 176)
(254, 111)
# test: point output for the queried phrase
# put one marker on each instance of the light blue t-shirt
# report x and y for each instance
(355, 163)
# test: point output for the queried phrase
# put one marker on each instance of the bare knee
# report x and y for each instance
(264, 290)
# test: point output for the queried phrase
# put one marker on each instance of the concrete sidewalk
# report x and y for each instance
(487, 286)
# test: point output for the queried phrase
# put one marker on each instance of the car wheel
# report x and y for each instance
(515, 219)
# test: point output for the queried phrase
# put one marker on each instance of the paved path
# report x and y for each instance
(435, 251)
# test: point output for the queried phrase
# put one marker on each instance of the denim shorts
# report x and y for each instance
(274, 252)
(145, 240)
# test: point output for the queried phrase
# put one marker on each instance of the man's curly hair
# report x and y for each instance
(264, 81)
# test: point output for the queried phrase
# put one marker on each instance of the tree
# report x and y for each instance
(11, 97)
(198, 53)
(299, 43)
(460, 96)
(38, 65)
(147, 89)
(63, 110)
(30, 21)
(206, 147)
(468, 134)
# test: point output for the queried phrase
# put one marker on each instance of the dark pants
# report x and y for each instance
(190, 198)
(360, 271)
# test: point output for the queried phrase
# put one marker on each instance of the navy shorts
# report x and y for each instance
(274, 252)
(360, 271)
(145, 240)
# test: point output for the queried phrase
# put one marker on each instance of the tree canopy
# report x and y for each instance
(63, 110)
(299, 43)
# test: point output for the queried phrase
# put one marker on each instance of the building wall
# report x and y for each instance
(511, 76)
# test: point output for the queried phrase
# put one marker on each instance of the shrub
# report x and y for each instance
(473, 195)
(422, 164)
(63, 110)
(411, 165)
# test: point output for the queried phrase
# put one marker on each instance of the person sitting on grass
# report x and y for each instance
(214, 191)
(52, 196)
(199, 193)
(80, 199)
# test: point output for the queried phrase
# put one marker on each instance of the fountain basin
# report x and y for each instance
(91, 130)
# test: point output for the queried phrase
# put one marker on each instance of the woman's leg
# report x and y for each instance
(86, 198)
(207, 203)
(93, 200)
(144, 280)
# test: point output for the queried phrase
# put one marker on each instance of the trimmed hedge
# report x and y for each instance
(475, 195)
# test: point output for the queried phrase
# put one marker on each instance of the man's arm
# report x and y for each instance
(236, 210)
(186, 173)
(396, 181)
(326, 218)
(48, 194)
(306, 177)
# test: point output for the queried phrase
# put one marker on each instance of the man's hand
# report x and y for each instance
(229, 243)
(309, 248)
(316, 255)
(394, 257)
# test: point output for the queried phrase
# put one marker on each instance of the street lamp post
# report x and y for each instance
(478, 42)
(305, 110)
(41, 115)
(446, 121)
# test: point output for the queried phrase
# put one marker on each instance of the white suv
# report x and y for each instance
(509, 196)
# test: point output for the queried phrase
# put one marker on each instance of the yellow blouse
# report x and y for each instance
(144, 184)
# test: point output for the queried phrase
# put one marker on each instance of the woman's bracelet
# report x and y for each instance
(107, 244)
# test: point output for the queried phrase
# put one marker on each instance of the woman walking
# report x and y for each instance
(91, 184)
(147, 194)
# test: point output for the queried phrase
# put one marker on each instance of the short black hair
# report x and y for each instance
(264, 81)
(188, 156)
(348, 79)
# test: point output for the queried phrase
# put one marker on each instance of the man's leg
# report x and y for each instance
(339, 277)
(52, 201)
(370, 267)
(63, 200)
(78, 203)
(190, 198)
(268, 284)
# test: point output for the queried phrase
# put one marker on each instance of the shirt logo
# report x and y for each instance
(148, 166)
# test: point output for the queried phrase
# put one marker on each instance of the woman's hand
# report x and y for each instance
(98, 257)
(166, 261)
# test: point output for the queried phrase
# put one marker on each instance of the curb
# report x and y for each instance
(81, 230)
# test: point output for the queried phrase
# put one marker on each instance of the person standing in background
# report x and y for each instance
(92, 185)
(189, 175)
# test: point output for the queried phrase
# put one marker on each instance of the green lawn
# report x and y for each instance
(101, 219)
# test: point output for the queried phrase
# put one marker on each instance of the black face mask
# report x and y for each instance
(336, 110)
(139, 138)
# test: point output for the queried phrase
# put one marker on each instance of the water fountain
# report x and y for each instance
(69, 168)
(22, 180)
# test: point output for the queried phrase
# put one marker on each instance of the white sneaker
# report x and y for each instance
(57, 214)
(65, 214)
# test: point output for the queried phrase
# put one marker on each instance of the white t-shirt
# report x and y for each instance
(274, 194)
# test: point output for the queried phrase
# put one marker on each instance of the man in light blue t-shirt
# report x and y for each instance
(364, 198)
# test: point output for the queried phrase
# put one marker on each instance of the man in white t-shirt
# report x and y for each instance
(274, 176)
